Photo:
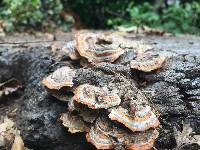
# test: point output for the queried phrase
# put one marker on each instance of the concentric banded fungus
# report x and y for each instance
(142, 140)
(97, 47)
(62, 77)
(142, 120)
(71, 51)
(98, 136)
(107, 102)
(107, 135)
(95, 97)
(74, 123)
(148, 64)
(99, 139)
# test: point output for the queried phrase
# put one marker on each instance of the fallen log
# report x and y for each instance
(175, 86)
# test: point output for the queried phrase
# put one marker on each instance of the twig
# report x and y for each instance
(26, 42)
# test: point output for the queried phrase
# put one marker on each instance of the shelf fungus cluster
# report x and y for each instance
(105, 103)
(107, 135)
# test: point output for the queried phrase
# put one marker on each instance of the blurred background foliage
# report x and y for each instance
(176, 16)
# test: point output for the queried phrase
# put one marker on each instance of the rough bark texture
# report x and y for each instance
(176, 88)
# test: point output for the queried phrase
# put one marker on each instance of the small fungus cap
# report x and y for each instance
(62, 77)
(141, 121)
(70, 50)
(148, 65)
(97, 47)
(96, 97)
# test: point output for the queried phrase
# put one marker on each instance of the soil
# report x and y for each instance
(29, 58)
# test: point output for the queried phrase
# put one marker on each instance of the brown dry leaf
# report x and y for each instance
(10, 136)
(18, 143)
(2, 141)
(9, 87)
(5, 128)
(185, 136)
(6, 125)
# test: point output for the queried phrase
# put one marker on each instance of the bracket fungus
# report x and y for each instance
(142, 120)
(62, 77)
(106, 135)
(105, 101)
(97, 136)
(148, 64)
(59, 83)
(142, 140)
(95, 97)
(97, 47)
(70, 50)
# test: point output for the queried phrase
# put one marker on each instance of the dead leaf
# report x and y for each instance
(6, 125)
(18, 144)
(9, 87)
(10, 136)
(185, 136)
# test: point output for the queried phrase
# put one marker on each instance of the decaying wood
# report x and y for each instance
(175, 87)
